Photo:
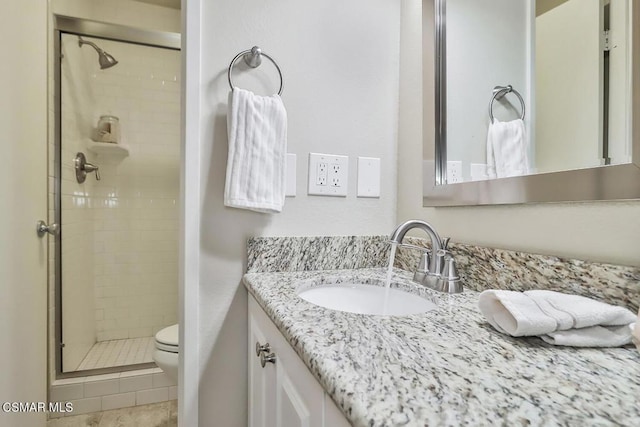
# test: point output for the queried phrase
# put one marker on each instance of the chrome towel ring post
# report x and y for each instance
(253, 58)
(498, 93)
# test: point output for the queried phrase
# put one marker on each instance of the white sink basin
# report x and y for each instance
(366, 299)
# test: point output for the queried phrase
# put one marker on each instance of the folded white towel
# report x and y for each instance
(257, 130)
(507, 149)
(558, 318)
(595, 336)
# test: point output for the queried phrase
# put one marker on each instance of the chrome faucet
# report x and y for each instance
(436, 270)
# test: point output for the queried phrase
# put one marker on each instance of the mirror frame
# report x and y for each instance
(613, 182)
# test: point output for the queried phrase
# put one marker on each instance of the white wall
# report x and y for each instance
(569, 89)
(598, 231)
(23, 255)
(487, 46)
(340, 65)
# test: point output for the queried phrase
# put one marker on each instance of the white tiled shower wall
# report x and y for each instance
(120, 233)
(136, 214)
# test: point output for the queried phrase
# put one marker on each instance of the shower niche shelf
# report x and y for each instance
(108, 148)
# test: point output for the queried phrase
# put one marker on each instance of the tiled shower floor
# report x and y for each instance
(107, 354)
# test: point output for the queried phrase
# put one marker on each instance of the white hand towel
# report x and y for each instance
(257, 130)
(558, 318)
(507, 149)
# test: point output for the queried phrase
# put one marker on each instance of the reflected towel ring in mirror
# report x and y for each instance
(253, 58)
(498, 93)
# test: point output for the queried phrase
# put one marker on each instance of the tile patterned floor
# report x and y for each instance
(106, 354)
(163, 414)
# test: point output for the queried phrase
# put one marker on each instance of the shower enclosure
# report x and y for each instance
(115, 189)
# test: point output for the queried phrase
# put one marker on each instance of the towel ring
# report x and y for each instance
(253, 58)
(499, 92)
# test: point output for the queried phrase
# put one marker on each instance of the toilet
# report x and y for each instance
(166, 354)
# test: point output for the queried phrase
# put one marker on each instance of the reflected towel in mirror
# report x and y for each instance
(507, 149)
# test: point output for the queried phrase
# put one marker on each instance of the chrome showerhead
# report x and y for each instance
(105, 60)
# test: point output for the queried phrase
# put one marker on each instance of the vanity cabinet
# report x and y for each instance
(282, 391)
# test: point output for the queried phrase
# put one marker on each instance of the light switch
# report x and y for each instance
(368, 177)
(290, 176)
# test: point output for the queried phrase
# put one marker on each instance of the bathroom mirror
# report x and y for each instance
(555, 76)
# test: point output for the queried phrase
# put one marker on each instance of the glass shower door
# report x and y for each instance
(118, 252)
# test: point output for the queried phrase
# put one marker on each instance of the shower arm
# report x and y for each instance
(106, 60)
(82, 42)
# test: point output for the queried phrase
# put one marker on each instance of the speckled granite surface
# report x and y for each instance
(487, 268)
(447, 367)
(316, 253)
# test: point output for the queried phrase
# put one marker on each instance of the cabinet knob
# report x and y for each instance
(267, 358)
(262, 348)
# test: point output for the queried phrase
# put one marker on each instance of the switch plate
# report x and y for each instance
(368, 177)
(328, 174)
(290, 176)
(478, 171)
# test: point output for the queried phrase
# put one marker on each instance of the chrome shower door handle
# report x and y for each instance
(42, 228)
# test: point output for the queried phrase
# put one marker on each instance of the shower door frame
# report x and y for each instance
(120, 33)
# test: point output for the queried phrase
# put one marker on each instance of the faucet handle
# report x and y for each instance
(450, 271)
(423, 267)
(445, 243)
(425, 260)
(450, 281)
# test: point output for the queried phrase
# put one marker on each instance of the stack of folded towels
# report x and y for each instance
(557, 318)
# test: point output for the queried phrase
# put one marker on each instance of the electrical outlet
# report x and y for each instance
(321, 174)
(454, 171)
(336, 175)
(328, 174)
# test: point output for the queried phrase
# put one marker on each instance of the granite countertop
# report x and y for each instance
(447, 366)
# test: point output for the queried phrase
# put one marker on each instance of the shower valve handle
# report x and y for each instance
(83, 168)
(89, 167)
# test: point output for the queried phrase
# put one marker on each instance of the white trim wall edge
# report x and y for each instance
(189, 264)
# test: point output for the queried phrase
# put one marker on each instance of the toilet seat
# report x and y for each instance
(167, 339)
(167, 348)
